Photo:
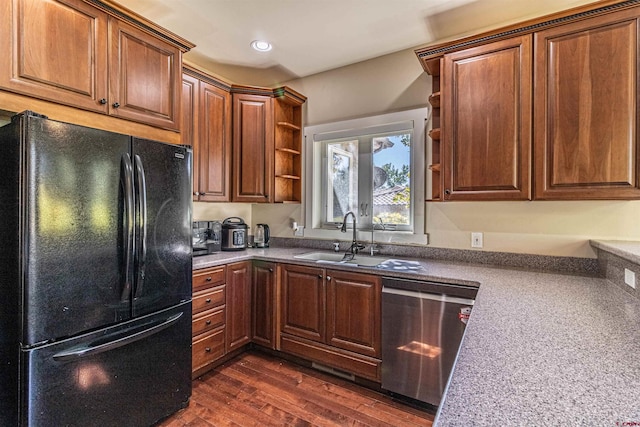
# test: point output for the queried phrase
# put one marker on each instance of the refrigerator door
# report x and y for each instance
(131, 374)
(72, 222)
(163, 228)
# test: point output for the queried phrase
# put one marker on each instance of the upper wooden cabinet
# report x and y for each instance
(584, 104)
(267, 145)
(145, 72)
(487, 121)
(85, 55)
(252, 148)
(586, 110)
(206, 127)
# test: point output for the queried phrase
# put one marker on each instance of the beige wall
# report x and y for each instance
(397, 82)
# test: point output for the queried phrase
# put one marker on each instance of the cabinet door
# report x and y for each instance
(586, 109)
(144, 77)
(189, 126)
(303, 302)
(252, 148)
(354, 312)
(238, 305)
(55, 50)
(487, 121)
(264, 304)
(214, 144)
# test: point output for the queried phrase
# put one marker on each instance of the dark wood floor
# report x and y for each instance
(257, 389)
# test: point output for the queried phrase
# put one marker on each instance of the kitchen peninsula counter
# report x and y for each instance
(539, 348)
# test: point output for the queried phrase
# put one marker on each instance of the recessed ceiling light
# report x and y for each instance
(261, 45)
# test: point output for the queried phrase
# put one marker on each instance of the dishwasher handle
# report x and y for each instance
(428, 296)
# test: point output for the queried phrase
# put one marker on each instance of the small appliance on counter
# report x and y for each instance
(261, 236)
(207, 237)
(234, 234)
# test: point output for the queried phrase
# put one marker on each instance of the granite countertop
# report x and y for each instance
(539, 348)
(629, 250)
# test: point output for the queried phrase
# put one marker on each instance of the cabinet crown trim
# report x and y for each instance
(526, 27)
(141, 22)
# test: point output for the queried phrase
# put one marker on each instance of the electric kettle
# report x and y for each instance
(261, 236)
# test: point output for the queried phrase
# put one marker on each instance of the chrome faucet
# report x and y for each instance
(355, 246)
(374, 249)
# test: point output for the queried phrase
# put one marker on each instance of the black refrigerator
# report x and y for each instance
(95, 276)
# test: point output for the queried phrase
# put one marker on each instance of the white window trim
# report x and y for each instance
(361, 126)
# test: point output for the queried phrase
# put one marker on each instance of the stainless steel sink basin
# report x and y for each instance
(337, 258)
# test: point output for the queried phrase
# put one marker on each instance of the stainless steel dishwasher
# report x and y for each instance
(422, 326)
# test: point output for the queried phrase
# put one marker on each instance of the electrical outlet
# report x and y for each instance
(630, 278)
(476, 240)
(299, 231)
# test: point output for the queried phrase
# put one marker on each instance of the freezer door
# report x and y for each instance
(72, 226)
(128, 375)
(163, 231)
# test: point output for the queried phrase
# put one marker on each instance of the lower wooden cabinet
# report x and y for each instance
(263, 304)
(332, 317)
(209, 318)
(238, 305)
(326, 316)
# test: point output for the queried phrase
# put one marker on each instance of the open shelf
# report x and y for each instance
(288, 125)
(288, 150)
(434, 99)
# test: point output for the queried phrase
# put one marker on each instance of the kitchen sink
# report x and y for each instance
(337, 258)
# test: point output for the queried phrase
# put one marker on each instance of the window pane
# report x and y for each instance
(342, 184)
(391, 179)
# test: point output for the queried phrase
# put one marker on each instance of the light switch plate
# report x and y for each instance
(630, 278)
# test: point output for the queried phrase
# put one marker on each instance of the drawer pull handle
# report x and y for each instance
(208, 300)
(208, 279)
(208, 322)
(208, 349)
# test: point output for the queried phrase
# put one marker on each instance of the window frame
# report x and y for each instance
(354, 128)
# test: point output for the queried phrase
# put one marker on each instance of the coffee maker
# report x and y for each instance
(207, 237)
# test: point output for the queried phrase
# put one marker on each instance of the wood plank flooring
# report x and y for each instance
(257, 389)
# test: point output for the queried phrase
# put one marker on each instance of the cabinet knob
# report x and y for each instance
(319, 276)
(116, 105)
(103, 101)
(271, 270)
(208, 300)
(447, 191)
(208, 279)
(196, 193)
(208, 322)
(208, 349)
(328, 278)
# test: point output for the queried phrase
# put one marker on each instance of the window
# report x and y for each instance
(372, 167)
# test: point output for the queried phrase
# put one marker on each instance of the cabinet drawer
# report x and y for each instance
(208, 278)
(207, 349)
(207, 321)
(208, 299)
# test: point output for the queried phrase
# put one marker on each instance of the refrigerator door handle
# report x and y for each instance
(126, 179)
(114, 341)
(142, 218)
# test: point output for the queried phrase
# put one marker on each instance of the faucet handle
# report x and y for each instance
(336, 246)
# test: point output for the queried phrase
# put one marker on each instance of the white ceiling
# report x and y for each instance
(311, 36)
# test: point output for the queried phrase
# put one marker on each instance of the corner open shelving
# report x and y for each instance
(288, 147)
(434, 68)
